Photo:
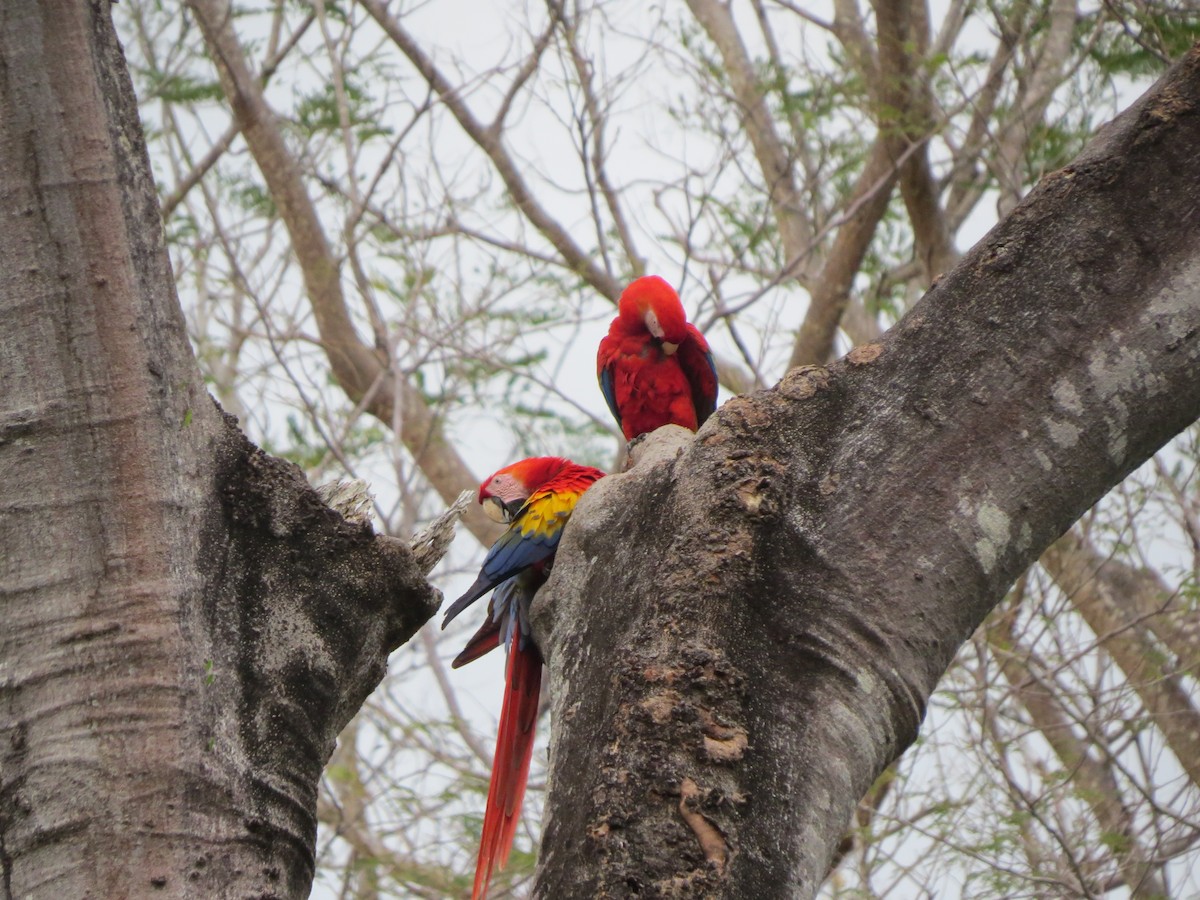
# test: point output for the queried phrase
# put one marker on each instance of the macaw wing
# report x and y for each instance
(537, 527)
(507, 618)
(531, 538)
(484, 640)
(605, 364)
(697, 363)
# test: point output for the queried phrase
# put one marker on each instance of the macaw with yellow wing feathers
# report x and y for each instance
(654, 366)
(536, 497)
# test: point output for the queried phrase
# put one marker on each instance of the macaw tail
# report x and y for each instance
(486, 639)
(510, 768)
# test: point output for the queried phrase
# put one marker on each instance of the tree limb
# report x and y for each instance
(360, 369)
(1104, 591)
(488, 139)
(187, 625)
(774, 161)
(1096, 783)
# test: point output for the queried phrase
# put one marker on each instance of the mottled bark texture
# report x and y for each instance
(186, 627)
(743, 630)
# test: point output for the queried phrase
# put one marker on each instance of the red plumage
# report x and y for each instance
(655, 368)
(510, 766)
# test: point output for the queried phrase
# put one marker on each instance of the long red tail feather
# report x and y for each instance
(510, 768)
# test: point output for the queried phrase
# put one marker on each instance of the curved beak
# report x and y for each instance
(669, 348)
(494, 509)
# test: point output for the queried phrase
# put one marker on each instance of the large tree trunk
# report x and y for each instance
(744, 630)
(186, 627)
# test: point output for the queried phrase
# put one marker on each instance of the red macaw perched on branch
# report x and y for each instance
(536, 496)
(654, 366)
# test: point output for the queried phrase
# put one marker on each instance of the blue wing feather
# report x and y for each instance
(609, 392)
(508, 618)
(514, 552)
(701, 371)
(707, 405)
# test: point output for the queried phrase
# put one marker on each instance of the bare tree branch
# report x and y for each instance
(1104, 591)
(831, 288)
(360, 369)
(1097, 785)
(1033, 100)
(229, 135)
(775, 162)
(906, 114)
(489, 140)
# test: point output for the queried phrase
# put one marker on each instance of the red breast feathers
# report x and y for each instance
(655, 368)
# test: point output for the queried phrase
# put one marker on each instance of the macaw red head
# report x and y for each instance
(650, 303)
(504, 493)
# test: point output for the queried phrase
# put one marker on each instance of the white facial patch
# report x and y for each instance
(507, 488)
(652, 324)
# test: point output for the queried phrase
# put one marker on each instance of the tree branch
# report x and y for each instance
(774, 161)
(488, 139)
(229, 135)
(1033, 100)
(905, 113)
(360, 370)
(1096, 783)
(1105, 592)
(831, 290)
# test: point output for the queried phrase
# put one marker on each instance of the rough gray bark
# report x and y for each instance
(186, 627)
(793, 582)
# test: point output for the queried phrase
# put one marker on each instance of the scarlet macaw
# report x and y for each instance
(654, 366)
(536, 496)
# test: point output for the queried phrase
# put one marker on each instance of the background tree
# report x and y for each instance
(487, 208)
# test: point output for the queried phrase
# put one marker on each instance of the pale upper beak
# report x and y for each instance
(494, 509)
(669, 348)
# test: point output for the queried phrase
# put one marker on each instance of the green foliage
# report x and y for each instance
(318, 111)
(310, 450)
(1055, 144)
(181, 87)
(1140, 38)
(253, 198)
